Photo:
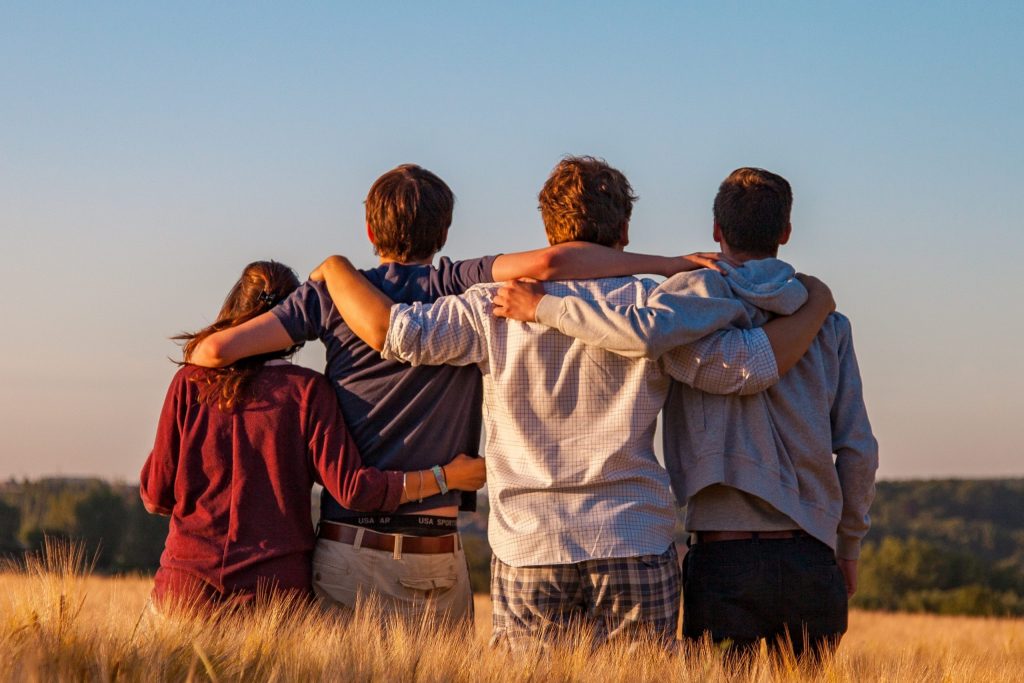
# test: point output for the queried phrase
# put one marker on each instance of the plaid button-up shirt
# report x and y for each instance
(569, 428)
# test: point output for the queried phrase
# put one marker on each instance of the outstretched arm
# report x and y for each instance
(450, 331)
(584, 260)
(681, 311)
(262, 334)
(446, 332)
(364, 308)
(749, 361)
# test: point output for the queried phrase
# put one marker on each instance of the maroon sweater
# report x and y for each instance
(237, 484)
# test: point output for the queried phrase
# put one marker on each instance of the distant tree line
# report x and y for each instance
(948, 546)
(943, 546)
(108, 519)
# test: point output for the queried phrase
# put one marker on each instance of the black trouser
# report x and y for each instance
(747, 590)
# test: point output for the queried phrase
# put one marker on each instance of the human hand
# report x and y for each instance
(465, 473)
(700, 259)
(849, 570)
(319, 273)
(818, 292)
(518, 300)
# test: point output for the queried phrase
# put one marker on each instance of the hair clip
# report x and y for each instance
(267, 298)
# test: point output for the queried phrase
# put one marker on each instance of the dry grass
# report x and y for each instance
(59, 623)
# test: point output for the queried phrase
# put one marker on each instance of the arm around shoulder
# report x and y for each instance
(677, 312)
(792, 335)
(262, 334)
(584, 260)
(733, 361)
(365, 309)
(450, 331)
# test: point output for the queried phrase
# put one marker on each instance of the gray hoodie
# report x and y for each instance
(777, 445)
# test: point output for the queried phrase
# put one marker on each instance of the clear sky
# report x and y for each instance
(148, 151)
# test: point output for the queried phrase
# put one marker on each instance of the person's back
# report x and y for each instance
(236, 454)
(236, 482)
(569, 430)
(777, 446)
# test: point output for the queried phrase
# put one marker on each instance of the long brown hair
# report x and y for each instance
(262, 286)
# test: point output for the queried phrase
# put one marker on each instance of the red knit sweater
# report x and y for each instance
(237, 484)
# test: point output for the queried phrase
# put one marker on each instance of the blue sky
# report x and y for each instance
(148, 151)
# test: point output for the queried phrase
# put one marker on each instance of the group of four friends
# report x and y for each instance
(767, 443)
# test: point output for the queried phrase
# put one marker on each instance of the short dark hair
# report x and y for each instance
(409, 211)
(752, 210)
(585, 199)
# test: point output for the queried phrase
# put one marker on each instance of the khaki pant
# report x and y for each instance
(409, 584)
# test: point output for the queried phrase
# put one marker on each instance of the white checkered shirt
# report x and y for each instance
(569, 428)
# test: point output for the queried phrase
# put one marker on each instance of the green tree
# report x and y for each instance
(10, 525)
(144, 536)
(99, 522)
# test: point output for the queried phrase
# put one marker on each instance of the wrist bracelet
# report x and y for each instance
(442, 480)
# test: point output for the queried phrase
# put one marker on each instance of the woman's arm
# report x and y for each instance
(156, 482)
(464, 473)
(338, 466)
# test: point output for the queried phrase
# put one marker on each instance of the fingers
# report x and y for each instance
(711, 264)
(317, 275)
(500, 304)
(516, 300)
(712, 260)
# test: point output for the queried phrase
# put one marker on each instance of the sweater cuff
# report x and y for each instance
(393, 492)
(549, 310)
(848, 548)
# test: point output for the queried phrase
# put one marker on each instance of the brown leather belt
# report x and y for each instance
(421, 545)
(715, 536)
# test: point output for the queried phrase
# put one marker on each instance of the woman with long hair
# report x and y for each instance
(237, 451)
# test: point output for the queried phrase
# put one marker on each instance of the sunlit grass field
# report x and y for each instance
(59, 623)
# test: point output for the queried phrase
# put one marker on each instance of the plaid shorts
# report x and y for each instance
(615, 596)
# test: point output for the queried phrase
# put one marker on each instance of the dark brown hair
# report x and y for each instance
(585, 199)
(752, 210)
(262, 286)
(409, 210)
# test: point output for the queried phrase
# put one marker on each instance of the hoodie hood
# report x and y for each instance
(767, 284)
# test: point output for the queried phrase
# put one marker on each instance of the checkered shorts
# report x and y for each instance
(614, 596)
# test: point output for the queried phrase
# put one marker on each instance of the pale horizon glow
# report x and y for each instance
(148, 152)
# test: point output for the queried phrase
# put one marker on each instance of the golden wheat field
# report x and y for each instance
(59, 623)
